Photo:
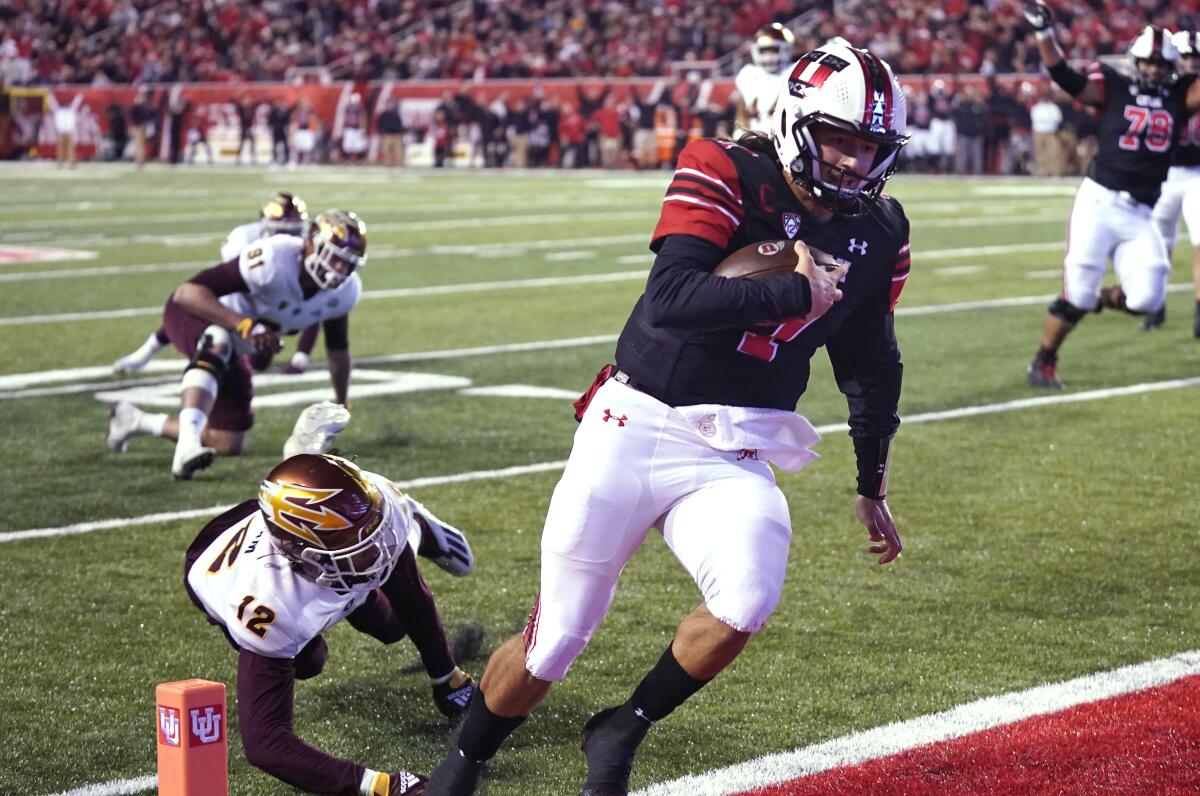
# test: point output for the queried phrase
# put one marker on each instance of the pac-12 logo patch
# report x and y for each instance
(791, 224)
(168, 726)
(207, 725)
(769, 248)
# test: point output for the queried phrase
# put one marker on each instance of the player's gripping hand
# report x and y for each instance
(823, 281)
(259, 336)
(1039, 15)
(453, 696)
(876, 515)
(405, 783)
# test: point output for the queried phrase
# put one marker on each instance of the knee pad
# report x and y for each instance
(214, 352)
(1066, 311)
(550, 649)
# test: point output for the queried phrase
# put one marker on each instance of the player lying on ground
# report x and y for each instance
(324, 541)
(278, 286)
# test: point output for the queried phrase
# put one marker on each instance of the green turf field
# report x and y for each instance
(1043, 542)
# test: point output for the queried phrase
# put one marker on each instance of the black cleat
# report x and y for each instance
(610, 746)
(454, 776)
(1043, 374)
(1153, 320)
(1196, 325)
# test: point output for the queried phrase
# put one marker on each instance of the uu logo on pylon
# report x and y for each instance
(168, 726)
(206, 725)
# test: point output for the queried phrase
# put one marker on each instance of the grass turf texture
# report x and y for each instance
(1040, 545)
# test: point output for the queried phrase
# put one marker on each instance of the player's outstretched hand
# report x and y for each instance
(876, 515)
(1039, 15)
(823, 282)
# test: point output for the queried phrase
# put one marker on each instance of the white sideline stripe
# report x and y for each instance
(958, 722)
(479, 475)
(118, 787)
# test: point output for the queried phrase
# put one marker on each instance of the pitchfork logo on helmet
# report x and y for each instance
(283, 214)
(855, 92)
(771, 47)
(337, 247)
(1155, 58)
(327, 518)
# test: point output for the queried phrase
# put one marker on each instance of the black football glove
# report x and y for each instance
(453, 696)
(405, 783)
(1039, 14)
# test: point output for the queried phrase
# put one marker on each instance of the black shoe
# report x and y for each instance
(610, 742)
(454, 776)
(1196, 325)
(1153, 320)
(1043, 374)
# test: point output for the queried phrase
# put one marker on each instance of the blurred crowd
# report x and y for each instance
(148, 41)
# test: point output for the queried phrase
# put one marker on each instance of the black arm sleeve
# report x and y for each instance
(337, 333)
(222, 279)
(1071, 81)
(682, 291)
(866, 364)
(265, 690)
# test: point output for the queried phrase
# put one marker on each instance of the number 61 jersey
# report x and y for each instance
(1139, 129)
(250, 590)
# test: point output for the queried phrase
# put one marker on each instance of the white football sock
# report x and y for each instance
(151, 424)
(191, 426)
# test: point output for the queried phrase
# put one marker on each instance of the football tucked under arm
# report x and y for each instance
(316, 429)
(781, 257)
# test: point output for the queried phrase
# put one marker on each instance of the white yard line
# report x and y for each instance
(506, 472)
(901, 736)
(118, 787)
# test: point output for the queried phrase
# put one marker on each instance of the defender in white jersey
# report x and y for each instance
(325, 541)
(282, 214)
(278, 286)
(1181, 192)
(758, 82)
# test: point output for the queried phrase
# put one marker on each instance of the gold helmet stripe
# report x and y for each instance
(297, 510)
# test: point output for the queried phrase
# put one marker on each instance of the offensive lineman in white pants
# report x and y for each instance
(1139, 119)
(677, 435)
(1181, 191)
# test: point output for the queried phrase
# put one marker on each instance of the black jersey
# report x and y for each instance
(1188, 151)
(695, 338)
(1139, 131)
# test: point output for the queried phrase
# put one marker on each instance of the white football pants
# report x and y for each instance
(1180, 196)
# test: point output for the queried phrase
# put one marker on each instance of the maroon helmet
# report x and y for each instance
(337, 247)
(330, 521)
(284, 214)
(771, 47)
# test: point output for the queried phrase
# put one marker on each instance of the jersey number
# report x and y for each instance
(254, 257)
(766, 346)
(1191, 133)
(262, 616)
(1155, 124)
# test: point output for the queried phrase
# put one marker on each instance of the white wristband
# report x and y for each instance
(370, 778)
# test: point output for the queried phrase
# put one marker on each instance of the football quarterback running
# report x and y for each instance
(277, 286)
(282, 214)
(680, 433)
(1141, 115)
(1181, 191)
(324, 541)
(757, 82)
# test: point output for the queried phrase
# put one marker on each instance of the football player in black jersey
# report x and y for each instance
(1181, 191)
(677, 435)
(1141, 116)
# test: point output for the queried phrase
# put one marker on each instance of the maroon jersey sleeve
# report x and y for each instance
(265, 689)
(414, 607)
(704, 199)
(222, 279)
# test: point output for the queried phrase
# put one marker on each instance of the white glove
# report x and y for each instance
(316, 428)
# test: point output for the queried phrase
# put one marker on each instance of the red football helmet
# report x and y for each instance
(327, 518)
(283, 214)
(771, 47)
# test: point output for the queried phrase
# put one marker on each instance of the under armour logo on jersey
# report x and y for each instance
(856, 247)
(608, 415)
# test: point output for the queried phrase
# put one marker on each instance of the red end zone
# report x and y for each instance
(1142, 742)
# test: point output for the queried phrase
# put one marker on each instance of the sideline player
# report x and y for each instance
(678, 435)
(1140, 120)
(276, 287)
(324, 541)
(1181, 191)
(758, 82)
(282, 214)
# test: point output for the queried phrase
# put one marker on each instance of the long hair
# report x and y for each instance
(759, 143)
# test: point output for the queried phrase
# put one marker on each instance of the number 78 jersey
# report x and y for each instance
(1138, 132)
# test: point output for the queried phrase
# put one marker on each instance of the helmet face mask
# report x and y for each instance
(330, 522)
(284, 214)
(771, 47)
(848, 100)
(336, 248)
(1155, 58)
